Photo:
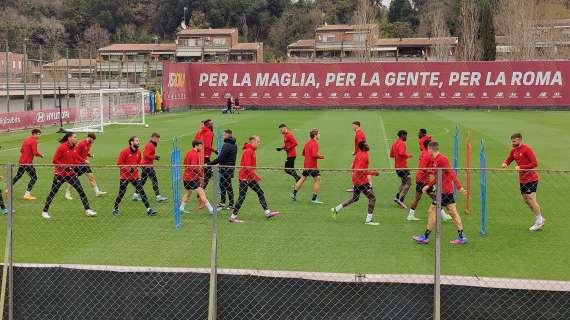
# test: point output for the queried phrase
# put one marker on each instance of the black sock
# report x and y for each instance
(460, 233)
(427, 233)
(402, 199)
(398, 195)
(294, 192)
(413, 208)
(314, 197)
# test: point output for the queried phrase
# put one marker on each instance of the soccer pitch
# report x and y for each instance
(305, 237)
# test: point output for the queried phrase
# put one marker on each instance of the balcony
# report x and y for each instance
(337, 45)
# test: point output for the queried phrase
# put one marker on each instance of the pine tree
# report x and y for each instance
(487, 33)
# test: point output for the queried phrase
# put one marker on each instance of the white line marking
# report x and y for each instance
(385, 138)
(9, 149)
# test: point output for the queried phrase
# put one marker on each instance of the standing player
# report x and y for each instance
(526, 161)
(129, 160)
(358, 136)
(192, 176)
(398, 152)
(83, 150)
(361, 180)
(149, 156)
(448, 180)
(227, 161)
(311, 168)
(248, 178)
(290, 147)
(28, 151)
(65, 171)
(422, 138)
(206, 135)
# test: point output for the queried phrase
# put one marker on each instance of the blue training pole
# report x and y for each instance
(219, 143)
(483, 161)
(175, 175)
(456, 153)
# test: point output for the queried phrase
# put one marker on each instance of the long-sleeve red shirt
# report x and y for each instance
(398, 152)
(290, 144)
(149, 154)
(448, 177)
(422, 140)
(358, 136)
(64, 156)
(249, 160)
(206, 135)
(29, 150)
(425, 171)
(83, 150)
(311, 154)
(361, 161)
(525, 158)
(129, 160)
(193, 173)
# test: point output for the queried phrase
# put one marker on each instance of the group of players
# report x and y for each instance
(72, 160)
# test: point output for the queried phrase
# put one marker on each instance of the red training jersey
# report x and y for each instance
(425, 166)
(358, 136)
(83, 150)
(206, 135)
(525, 158)
(194, 172)
(360, 165)
(129, 161)
(398, 152)
(249, 160)
(311, 154)
(65, 155)
(422, 140)
(29, 150)
(149, 154)
(448, 178)
(290, 144)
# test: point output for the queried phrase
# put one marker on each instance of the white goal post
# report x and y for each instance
(98, 108)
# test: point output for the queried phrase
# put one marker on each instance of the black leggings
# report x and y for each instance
(368, 192)
(148, 172)
(2, 205)
(290, 168)
(123, 184)
(226, 188)
(58, 181)
(243, 186)
(31, 171)
(207, 173)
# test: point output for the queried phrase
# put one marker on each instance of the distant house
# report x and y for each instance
(74, 68)
(215, 45)
(13, 63)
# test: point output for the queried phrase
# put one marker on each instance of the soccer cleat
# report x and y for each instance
(29, 197)
(222, 206)
(136, 197)
(412, 217)
(317, 201)
(459, 240)
(90, 213)
(293, 197)
(116, 212)
(151, 212)
(236, 220)
(334, 213)
(421, 239)
(45, 215)
(100, 193)
(537, 226)
(68, 196)
(371, 223)
(271, 214)
(350, 190)
(160, 198)
(400, 203)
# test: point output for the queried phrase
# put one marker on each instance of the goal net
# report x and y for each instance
(96, 109)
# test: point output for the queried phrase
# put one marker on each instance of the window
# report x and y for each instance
(219, 41)
(329, 37)
(359, 37)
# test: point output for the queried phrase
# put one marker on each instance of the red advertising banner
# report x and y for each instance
(34, 119)
(453, 84)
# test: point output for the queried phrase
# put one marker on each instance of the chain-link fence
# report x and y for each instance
(323, 256)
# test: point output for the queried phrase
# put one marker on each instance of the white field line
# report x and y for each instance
(385, 139)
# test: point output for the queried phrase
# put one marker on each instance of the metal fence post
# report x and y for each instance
(24, 74)
(212, 305)
(437, 271)
(41, 76)
(7, 77)
(67, 77)
(53, 75)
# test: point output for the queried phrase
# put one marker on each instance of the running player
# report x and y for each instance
(358, 136)
(398, 152)
(248, 179)
(227, 161)
(448, 180)
(206, 135)
(290, 147)
(361, 180)
(28, 151)
(194, 166)
(149, 156)
(311, 168)
(83, 150)
(526, 161)
(129, 160)
(65, 171)
(423, 136)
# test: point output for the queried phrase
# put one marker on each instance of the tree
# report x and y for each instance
(402, 11)
(487, 33)
(364, 16)
(439, 31)
(198, 20)
(469, 47)
(93, 38)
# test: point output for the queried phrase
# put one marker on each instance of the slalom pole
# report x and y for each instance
(456, 153)
(175, 180)
(468, 174)
(483, 161)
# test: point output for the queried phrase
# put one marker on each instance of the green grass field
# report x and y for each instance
(304, 237)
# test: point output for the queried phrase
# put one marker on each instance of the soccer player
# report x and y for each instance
(227, 161)
(206, 135)
(129, 160)
(526, 161)
(361, 180)
(358, 136)
(83, 150)
(398, 152)
(423, 136)
(311, 168)
(28, 151)
(3, 208)
(290, 147)
(248, 179)
(149, 156)
(448, 180)
(194, 167)
(65, 171)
